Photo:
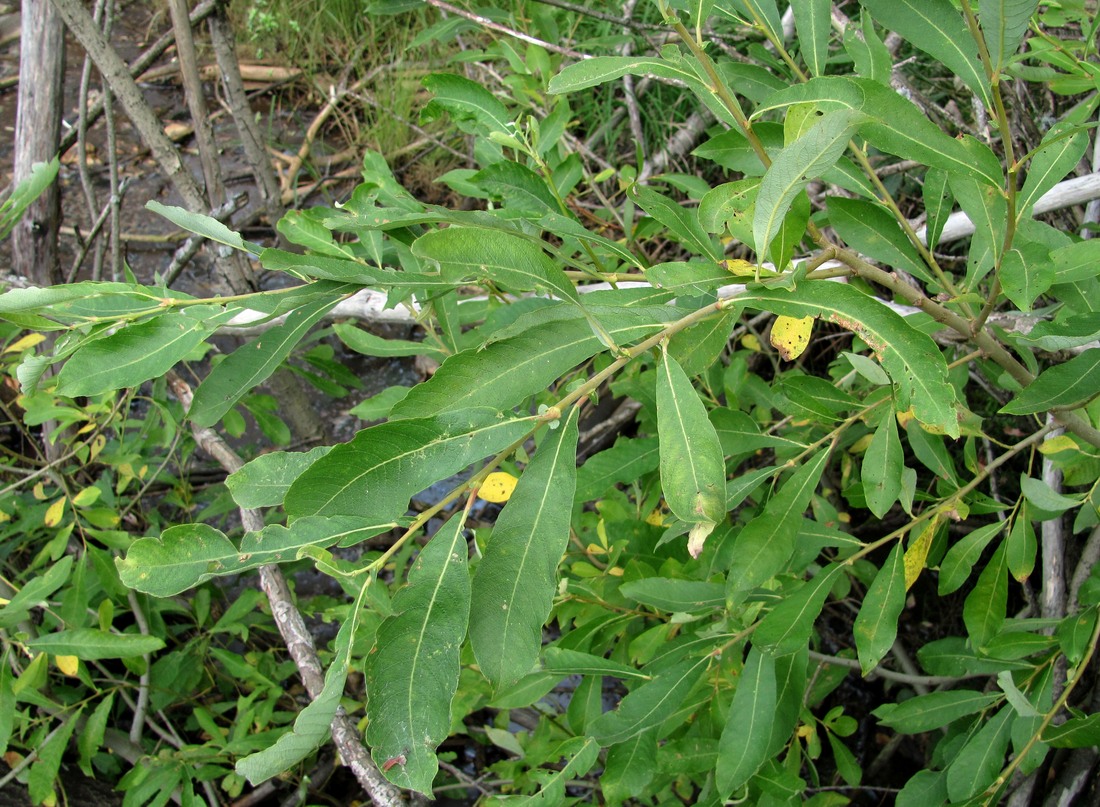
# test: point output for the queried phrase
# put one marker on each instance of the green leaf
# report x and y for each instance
(934, 710)
(764, 546)
(1067, 384)
(188, 554)
(1021, 547)
(883, 465)
(693, 470)
(137, 352)
(1040, 494)
(1075, 633)
(985, 607)
(33, 186)
(649, 705)
(896, 125)
(90, 644)
(515, 582)
(1072, 263)
(813, 153)
(1062, 148)
(44, 770)
(869, 229)
(518, 185)
(582, 753)
(35, 592)
(976, 765)
(511, 261)
(936, 27)
(412, 673)
(252, 363)
(626, 461)
(90, 738)
(682, 222)
(957, 564)
(464, 100)
(787, 627)
(311, 726)
(378, 407)
(1077, 732)
(368, 344)
(263, 482)
(675, 596)
(938, 199)
(1004, 23)
(573, 662)
(813, 24)
(876, 626)
(1026, 272)
(304, 230)
(343, 271)
(746, 736)
(374, 475)
(7, 700)
(206, 226)
(912, 359)
(601, 69)
(630, 767)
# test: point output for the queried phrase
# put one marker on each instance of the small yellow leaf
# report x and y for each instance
(750, 342)
(791, 335)
(917, 553)
(87, 497)
(99, 442)
(69, 665)
(54, 513)
(1058, 444)
(739, 267)
(30, 340)
(862, 444)
(497, 487)
(39, 491)
(656, 518)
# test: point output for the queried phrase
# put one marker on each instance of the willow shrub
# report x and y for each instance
(695, 572)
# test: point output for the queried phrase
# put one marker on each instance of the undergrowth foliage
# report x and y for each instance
(767, 526)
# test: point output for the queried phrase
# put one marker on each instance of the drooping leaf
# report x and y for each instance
(936, 27)
(367, 343)
(188, 554)
(44, 770)
(682, 222)
(743, 747)
(648, 705)
(934, 710)
(374, 474)
(883, 465)
(252, 363)
(412, 672)
(787, 627)
(264, 481)
(1004, 23)
(985, 607)
(206, 226)
(41, 176)
(813, 24)
(765, 545)
(876, 626)
(693, 470)
(817, 150)
(1026, 272)
(957, 564)
(138, 352)
(91, 644)
(978, 762)
(937, 197)
(910, 357)
(1066, 384)
(1020, 548)
(515, 582)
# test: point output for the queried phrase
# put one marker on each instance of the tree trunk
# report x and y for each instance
(37, 133)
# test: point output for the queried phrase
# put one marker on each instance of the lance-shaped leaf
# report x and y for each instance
(976, 765)
(1062, 148)
(264, 481)
(91, 644)
(934, 710)
(188, 554)
(1067, 384)
(743, 747)
(676, 596)
(648, 705)
(311, 727)
(368, 344)
(464, 100)
(412, 672)
(682, 222)
(138, 352)
(937, 28)
(626, 461)
(511, 261)
(253, 363)
(985, 607)
(581, 753)
(344, 271)
(813, 24)
(813, 153)
(883, 465)
(911, 358)
(40, 178)
(876, 626)
(206, 226)
(937, 197)
(374, 475)
(765, 545)
(693, 469)
(787, 627)
(630, 767)
(601, 69)
(515, 582)
(1003, 25)
(870, 229)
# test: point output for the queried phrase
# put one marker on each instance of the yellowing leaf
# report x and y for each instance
(99, 442)
(917, 553)
(861, 445)
(30, 340)
(656, 518)
(791, 335)
(750, 342)
(87, 497)
(1058, 444)
(54, 513)
(497, 487)
(739, 267)
(69, 665)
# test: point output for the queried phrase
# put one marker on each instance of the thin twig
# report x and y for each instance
(485, 22)
(890, 675)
